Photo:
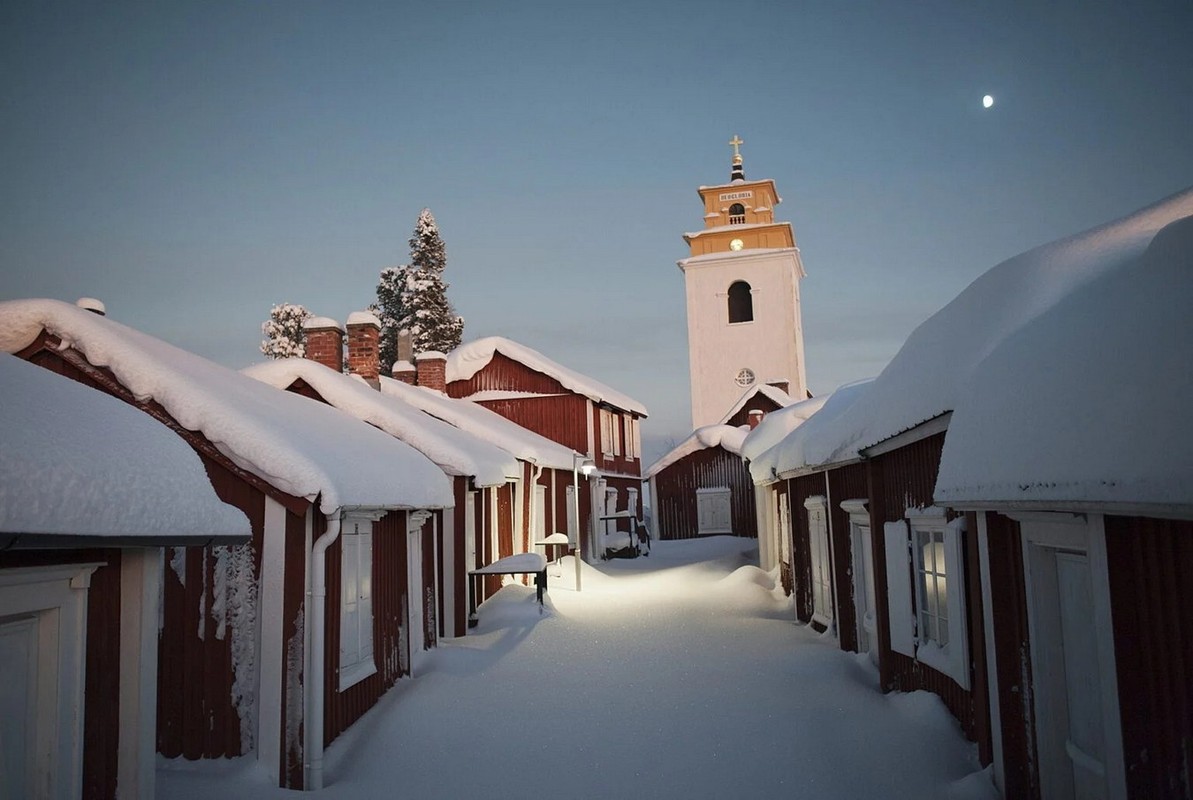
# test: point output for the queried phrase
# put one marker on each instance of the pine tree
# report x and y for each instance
(286, 337)
(426, 312)
(388, 309)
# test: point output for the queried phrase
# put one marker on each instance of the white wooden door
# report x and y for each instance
(713, 511)
(416, 590)
(470, 531)
(540, 514)
(1084, 743)
(18, 704)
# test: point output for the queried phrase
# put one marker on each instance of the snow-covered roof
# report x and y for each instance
(723, 436)
(741, 226)
(793, 434)
(456, 452)
(470, 358)
(1089, 403)
(772, 393)
(75, 461)
(302, 448)
(927, 376)
(483, 423)
(775, 426)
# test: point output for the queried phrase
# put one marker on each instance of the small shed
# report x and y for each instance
(702, 487)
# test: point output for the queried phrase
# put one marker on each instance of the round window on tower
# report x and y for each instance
(745, 377)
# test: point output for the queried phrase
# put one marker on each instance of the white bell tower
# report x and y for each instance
(742, 282)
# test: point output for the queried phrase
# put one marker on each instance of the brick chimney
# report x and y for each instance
(432, 370)
(755, 416)
(364, 333)
(405, 372)
(325, 342)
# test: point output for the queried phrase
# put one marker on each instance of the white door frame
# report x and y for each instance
(861, 548)
(1043, 536)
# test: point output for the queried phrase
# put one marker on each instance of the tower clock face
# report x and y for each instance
(736, 244)
(745, 377)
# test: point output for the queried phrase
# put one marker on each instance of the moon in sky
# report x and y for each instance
(987, 101)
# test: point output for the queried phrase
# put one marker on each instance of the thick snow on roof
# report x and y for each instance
(926, 376)
(800, 447)
(772, 393)
(470, 358)
(775, 426)
(456, 452)
(75, 461)
(302, 448)
(1089, 402)
(483, 423)
(724, 436)
(363, 318)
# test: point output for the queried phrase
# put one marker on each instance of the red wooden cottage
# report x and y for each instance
(1082, 499)
(496, 524)
(1015, 615)
(702, 487)
(91, 491)
(246, 665)
(574, 410)
(472, 464)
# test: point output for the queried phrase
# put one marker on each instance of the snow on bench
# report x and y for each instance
(518, 564)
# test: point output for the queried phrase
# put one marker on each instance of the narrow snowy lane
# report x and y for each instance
(679, 675)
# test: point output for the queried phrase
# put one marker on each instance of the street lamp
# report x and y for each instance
(580, 463)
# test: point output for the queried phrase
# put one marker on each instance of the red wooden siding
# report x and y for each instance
(799, 490)
(1151, 597)
(758, 402)
(504, 374)
(429, 592)
(196, 716)
(390, 642)
(1012, 657)
(902, 479)
(675, 512)
(101, 699)
(846, 483)
(560, 418)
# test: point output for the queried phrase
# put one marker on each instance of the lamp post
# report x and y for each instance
(580, 463)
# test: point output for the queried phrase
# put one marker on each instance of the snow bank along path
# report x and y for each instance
(680, 675)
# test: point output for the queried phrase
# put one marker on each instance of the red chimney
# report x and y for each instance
(432, 370)
(325, 342)
(405, 372)
(364, 331)
(755, 417)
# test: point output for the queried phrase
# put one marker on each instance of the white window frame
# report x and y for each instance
(821, 559)
(631, 438)
(615, 424)
(356, 612)
(904, 567)
(703, 495)
(606, 432)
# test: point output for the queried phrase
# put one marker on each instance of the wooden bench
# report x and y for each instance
(520, 564)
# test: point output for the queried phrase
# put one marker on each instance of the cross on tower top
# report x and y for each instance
(736, 142)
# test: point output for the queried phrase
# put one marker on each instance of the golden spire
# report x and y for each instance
(736, 142)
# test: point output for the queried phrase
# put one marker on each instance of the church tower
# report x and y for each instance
(742, 282)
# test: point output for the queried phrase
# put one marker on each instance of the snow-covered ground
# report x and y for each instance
(678, 675)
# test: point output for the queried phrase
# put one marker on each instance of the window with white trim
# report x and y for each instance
(632, 448)
(926, 602)
(615, 419)
(821, 558)
(356, 601)
(606, 432)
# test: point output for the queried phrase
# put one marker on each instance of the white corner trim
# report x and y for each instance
(271, 647)
(991, 655)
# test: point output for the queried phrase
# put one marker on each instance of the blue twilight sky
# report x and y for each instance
(191, 164)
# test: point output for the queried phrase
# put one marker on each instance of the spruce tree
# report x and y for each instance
(388, 309)
(285, 335)
(426, 312)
